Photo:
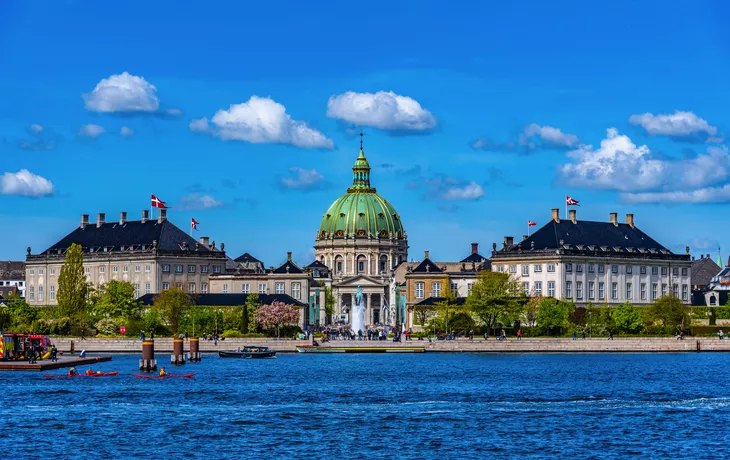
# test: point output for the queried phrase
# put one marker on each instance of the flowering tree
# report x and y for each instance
(276, 315)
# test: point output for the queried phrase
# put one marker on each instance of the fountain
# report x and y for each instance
(357, 323)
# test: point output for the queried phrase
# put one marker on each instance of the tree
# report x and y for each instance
(552, 314)
(329, 303)
(72, 284)
(117, 299)
(276, 315)
(671, 313)
(444, 308)
(496, 296)
(252, 307)
(628, 320)
(171, 305)
(531, 311)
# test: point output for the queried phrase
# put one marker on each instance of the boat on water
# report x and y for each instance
(167, 376)
(320, 349)
(248, 352)
(96, 374)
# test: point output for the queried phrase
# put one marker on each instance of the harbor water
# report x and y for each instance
(377, 406)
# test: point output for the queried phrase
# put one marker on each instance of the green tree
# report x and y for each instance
(671, 313)
(628, 320)
(444, 309)
(329, 303)
(6, 317)
(496, 296)
(117, 299)
(252, 306)
(72, 284)
(552, 315)
(172, 304)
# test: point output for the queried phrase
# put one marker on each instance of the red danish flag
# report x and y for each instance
(194, 223)
(157, 203)
(570, 201)
(531, 223)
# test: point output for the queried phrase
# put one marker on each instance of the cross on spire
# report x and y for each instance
(361, 135)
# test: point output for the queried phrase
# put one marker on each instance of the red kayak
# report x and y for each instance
(100, 374)
(168, 376)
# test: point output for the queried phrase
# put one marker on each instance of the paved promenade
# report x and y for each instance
(537, 345)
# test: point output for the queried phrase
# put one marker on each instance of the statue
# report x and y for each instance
(357, 322)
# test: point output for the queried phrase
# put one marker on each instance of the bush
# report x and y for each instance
(107, 326)
(232, 334)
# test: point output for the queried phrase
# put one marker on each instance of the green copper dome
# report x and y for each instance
(361, 212)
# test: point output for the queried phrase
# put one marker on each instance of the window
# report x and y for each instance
(653, 291)
(500, 269)
(31, 271)
(642, 270)
(225, 288)
(178, 268)
(191, 268)
(52, 292)
(296, 290)
(628, 291)
(166, 268)
(601, 269)
(125, 269)
(53, 271)
(40, 292)
(147, 268)
(654, 270)
(526, 288)
(245, 288)
(591, 268)
(454, 289)
(468, 288)
(579, 290)
(513, 268)
(538, 288)
(614, 268)
(591, 290)
(165, 286)
(579, 268)
(551, 288)
(203, 288)
(643, 291)
(538, 268)
(525, 270)
(684, 290)
(601, 290)
(436, 289)
(361, 266)
(40, 272)
(419, 290)
(191, 287)
(216, 268)
(101, 269)
(339, 266)
(136, 290)
(664, 290)
(664, 271)
(629, 270)
(568, 268)
(568, 289)
(279, 288)
(147, 287)
(87, 270)
(551, 267)
(115, 269)
(179, 286)
(203, 269)
(315, 273)
(684, 271)
(262, 288)
(32, 293)
(675, 290)
(614, 290)
(137, 268)
(675, 271)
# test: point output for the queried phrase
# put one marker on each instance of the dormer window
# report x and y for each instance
(342, 214)
(381, 215)
(362, 214)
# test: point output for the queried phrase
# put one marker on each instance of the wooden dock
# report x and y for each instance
(47, 364)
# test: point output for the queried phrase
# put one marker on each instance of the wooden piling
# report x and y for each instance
(178, 356)
(148, 363)
(194, 354)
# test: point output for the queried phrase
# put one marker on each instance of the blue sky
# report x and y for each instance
(477, 117)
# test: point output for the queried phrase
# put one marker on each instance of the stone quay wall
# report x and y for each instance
(531, 345)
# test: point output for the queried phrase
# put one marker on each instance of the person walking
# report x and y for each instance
(54, 353)
(610, 335)
(519, 334)
(486, 336)
(584, 334)
(575, 334)
(720, 334)
(141, 336)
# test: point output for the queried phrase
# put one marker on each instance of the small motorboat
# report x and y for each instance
(166, 376)
(248, 352)
(96, 374)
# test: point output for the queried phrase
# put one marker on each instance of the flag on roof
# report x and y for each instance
(531, 223)
(194, 223)
(157, 203)
(570, 201)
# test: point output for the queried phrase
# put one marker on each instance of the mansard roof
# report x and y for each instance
(246, 257)
(11, 270)
(703, 270)
(317, 264)
(474, 257)
(288, 267)
(230, 299)
(426, 266)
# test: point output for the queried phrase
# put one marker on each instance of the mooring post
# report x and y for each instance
(177, 356)
(698, 346)
(148, 363)
(194, 354)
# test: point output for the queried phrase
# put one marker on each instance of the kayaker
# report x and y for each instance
(72, 372)
(162, 372)
(91, 372)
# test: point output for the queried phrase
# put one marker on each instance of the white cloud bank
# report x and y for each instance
(679, 124)
(198, 202)
(126, 131)
(304, 179)
(386, 111)
(93, 131)
(122, 93)
(532, 138)
(25, 183)
(261, 120)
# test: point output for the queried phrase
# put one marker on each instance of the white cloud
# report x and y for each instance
(678, 125)
(703, 195)
(304, 179)
(36, 129)
(470, 191)
(386, 111)
(198, 202)
(447, 188)
(91, 130)
(173, 112)
(25, 183)
(126, 131)
(122, 93)
(548, 136)
(261, 120)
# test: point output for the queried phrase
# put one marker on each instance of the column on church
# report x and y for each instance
(369, 311)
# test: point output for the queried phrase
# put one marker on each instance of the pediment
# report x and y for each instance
(360, 280)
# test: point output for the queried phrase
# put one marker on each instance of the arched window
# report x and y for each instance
(383, 263)
(362, 265)
(713, 300)
(338, 265)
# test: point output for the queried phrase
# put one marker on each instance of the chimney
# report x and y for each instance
(425, 254)
(212, 245)
(204, 240)
(524, 237)
(702, 256)
(475, 248)
(708, 256)
(556, 214)
(630, 220)
(288, 255)
(145, 216)
(614, 218)
(163, 216)
(223, 246)
(100, 219)
(571, 215)
(122, 218)
(84, 220)
(508, 241)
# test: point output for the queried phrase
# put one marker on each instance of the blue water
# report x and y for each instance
(355, 406)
